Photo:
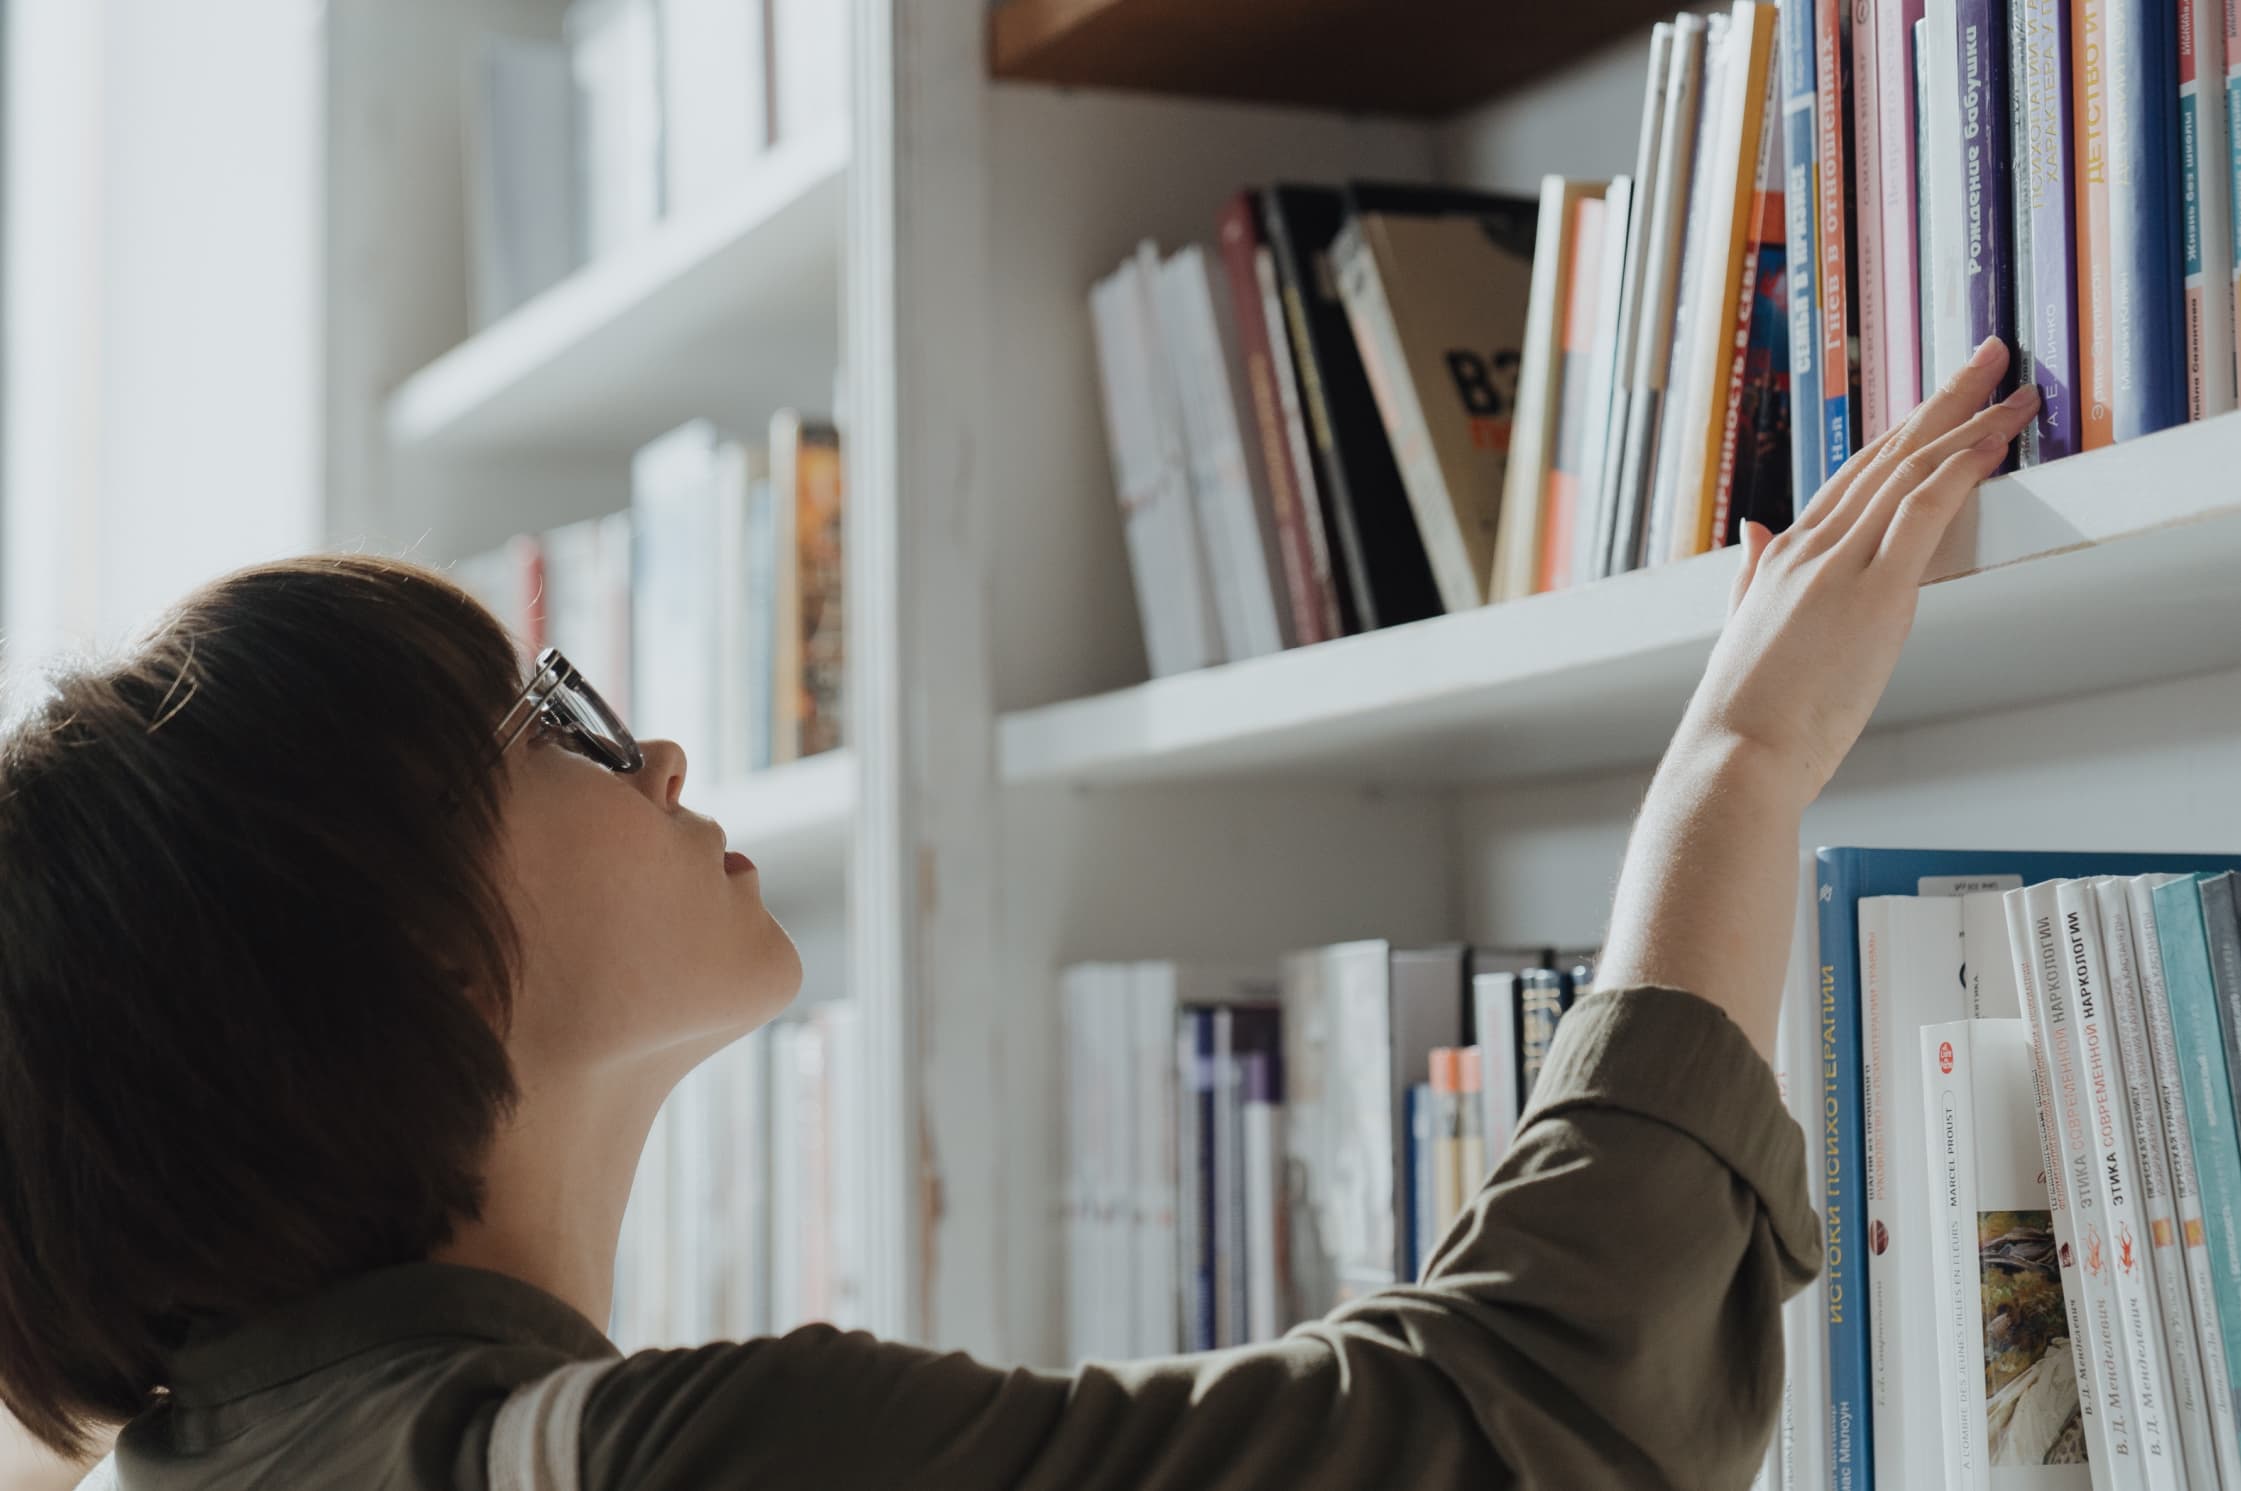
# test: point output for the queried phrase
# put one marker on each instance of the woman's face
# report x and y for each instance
(641, 938)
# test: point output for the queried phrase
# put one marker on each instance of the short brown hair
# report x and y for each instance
(254, 969)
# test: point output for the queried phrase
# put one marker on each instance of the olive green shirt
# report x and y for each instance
(1605, 1313)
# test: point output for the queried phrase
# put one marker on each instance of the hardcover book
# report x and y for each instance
(1800, 205)
(2147, 288)
(2045, 226)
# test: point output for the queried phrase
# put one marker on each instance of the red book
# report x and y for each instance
(1314, 604)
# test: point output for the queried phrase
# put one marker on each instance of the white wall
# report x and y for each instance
(162, 303)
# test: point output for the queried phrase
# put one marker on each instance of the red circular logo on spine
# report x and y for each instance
(1945, 1057)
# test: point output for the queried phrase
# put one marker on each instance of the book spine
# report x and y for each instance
(1949, 1113)
(1679, 454)
(2116, 1181)
(1741, 422)
(1934, 372)
(1180, 305)
(2230, 141)
(1265, 1270)
(1895, 137)
(2163, 1267)
(2196, 1283)
(1591, 545)
(1988, 206)
(2205, 229)
(1326, 589)
(2118, 1447)
(1875, 414)
(1194, 1221)
(1800, 199)
(1494, 1005)
(2046, 243)
(1844, 1295)
(1474, 1159)
(1517, 542)
(2222, 929)
(2089, 105)
(1229, 1156)
(1239, 236)
(2031, 996)
(2018, 126)
(1648, 153)
(1447, 1145)
(1878, 1053)
(2146, 285)
(1802, 1433)
(1419, 1213)
(1158, 1324)
(1540, 1007)
(1833, 234)
(1562, 494)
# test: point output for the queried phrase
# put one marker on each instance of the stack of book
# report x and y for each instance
(646, 109)
(712, 612)
(739, 1223)
(2013, 1069)
(1250, 1146)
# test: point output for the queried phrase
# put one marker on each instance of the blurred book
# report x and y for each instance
(523, 216)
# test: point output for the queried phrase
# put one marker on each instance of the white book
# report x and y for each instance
(1267, 1309)
(1236, 520)
(2120, 1238)
(715, 98)
(1150, 478)
(1154, 1242)
(2104, 1398)
(1802, 1433)
(523, 217)
(1602, 377)
(615, 52)
(2006, 1377)
(844, 1161)
(746, 1085)
(1648, 153)
(1075, 1002)
(1533, 430)
(673, 500)
(1945, 270)
(1910, 976)
(735, 469)
(2164, 1266)
(809, 66)
(2186, 1179)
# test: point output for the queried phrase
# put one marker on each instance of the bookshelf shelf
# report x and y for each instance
(1413, 57)
(712, 306)
(2108, 569)
(793, 820)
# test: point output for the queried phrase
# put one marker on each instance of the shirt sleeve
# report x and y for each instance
(1606, 1312)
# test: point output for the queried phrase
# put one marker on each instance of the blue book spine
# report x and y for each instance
(2204, 1078)
(2147, 283)
(1842, 1146)
(1987, 194)
(1417, 1221)
(2046, 226)
(1799, 145)
(1201, 1079)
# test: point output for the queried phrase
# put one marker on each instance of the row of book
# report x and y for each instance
(741, 1220)
(712, 611)
(645, 109)
(1251, 1146)
(2014, 1070)
(2057, 174)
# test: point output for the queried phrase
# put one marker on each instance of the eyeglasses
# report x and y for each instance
(558, 698)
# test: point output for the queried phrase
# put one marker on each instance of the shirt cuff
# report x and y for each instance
(1679, 1060)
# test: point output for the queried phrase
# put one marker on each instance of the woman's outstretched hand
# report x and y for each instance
(1818, 618)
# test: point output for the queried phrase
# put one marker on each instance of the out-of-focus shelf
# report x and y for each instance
(1413, 57)
(2107, 569)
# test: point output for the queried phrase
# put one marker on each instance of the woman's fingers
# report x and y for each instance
(1938, 416)
(1994, 428)
(1923, 515)
(1756, 536)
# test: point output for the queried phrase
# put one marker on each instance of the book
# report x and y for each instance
(2146, 276)
(1421, 1166)
(1945, 191)
(1801, 1434)
(1800, 207)
(1438, 308)
(2196, 1263)
(1497, 1031)
(2164, 1266)
(1197, 1147)
(1331, 594)
(1834, 232)
(2045, 226)
(1867, 100)
(587, 600)
(809, 59)
(1533, 431)
(2089, 115)
(715, 102)
(1101, 1060)
(1150, 477)
(2006, 1380)
(1268, 1309)
(523, 218)
(746, 610)
(1925, 171)
(1314, 608)
(809, 693)
(1366, 507)
(2221, 930)
(1641, 202)
(615, 56)
(1661, 279)
(2206, 191)
(1472, 1157)
(1754, 440)
(1596, 416)
(1448, 1178)
(1899, 253)
(674, 530)
(1562, 493)
(1988, 203)
(1229, 482)
(1242, 1032)
(2233, 162)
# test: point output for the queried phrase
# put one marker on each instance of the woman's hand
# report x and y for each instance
(1820, 613)
(1815, 627)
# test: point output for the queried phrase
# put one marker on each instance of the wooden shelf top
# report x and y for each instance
(1426, 58)
(2105, 570)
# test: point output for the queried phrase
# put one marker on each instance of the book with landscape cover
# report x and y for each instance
(811, 687)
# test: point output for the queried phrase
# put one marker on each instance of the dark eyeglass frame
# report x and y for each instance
(558, 696)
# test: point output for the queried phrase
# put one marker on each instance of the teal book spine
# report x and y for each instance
(2209, 1096)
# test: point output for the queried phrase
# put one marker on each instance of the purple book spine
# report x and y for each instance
(1988, 205)
(2044, 200)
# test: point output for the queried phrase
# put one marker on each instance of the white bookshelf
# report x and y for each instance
(2143, 538)
(731, 295)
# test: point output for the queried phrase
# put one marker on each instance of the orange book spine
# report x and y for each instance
(1746, 223)
(2096, 320)
(1560, 499)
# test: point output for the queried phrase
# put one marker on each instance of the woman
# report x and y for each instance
(341, 976)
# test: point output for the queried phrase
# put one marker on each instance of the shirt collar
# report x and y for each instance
(443, 1301)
